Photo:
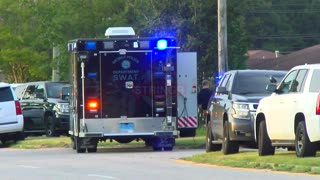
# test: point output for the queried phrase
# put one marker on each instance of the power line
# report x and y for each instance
(286, 5)
(287, 37)
(279, 11)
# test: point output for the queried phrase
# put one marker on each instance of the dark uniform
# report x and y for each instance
(203, 97)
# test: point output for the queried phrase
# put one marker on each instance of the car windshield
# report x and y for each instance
(54, 89)
(254, 83)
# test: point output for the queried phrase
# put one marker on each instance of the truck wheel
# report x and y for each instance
(50, 127)
(78, 145)
(168, 148)
(3, 141)
(147, 143)
(92, 150)
(156, 148)
(264, 142)
(171, 142)
(304, 148)
(229, 147)
(93, 146)
(163, 143)
(73, 144)
(209, 138)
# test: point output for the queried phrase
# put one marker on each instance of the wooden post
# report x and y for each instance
(55, 72)
(222, 37)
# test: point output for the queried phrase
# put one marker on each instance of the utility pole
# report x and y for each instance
(222, 37)
(55, 72)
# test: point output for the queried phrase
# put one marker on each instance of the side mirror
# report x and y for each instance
(65, 93)
(272, 79)
(271, 87)
(222, 90)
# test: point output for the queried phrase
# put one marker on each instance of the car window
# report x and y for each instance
(315, 82)
(6, 94)
(19, 90)
(230, 80)
(225, 80)
(249, 83)
(298, 83)
(285, 85)
(30, 92)
(54, 89)
(40, 91)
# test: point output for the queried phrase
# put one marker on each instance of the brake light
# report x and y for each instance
(93, 105)
(18, 108)
(318, 105)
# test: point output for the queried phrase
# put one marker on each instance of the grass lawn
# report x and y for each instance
(282, 161)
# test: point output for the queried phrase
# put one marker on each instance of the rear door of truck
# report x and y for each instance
(126, 83)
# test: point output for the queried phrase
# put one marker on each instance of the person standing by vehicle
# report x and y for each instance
(203, 99)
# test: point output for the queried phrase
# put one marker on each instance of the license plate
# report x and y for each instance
(126, 126)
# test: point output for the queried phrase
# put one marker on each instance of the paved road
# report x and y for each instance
(120, 164)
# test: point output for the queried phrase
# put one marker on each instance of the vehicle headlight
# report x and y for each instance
(62, 107)
(240, 110)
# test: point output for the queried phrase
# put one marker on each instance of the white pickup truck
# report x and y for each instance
(290, 117)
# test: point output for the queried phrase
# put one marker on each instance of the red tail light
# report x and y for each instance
(207, 112)
(18, 108)
(93, 105)
(318, 105)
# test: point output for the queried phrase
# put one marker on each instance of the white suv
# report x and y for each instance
(290, 117)
(11, 118)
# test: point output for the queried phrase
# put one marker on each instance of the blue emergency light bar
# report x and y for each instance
(219, 77)
(91, 45)
(162, 44)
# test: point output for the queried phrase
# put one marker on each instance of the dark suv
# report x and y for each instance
(231, 110)
(45, 107)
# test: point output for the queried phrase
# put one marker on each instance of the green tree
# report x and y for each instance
(35, 27)
(20, 62)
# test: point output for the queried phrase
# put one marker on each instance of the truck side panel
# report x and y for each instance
(187, 120)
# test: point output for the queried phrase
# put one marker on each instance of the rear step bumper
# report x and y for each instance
(100, 134)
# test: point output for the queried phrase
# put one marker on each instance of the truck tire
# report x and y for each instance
(168, 148)
(156, 148)
(50, 127)
(93, 145)
(209, 138)
(163, 143)
(147, 143)
(92, 150)
(73, 143)
(229, 147)
(78, 145)
(3, 141)
(264, 142)
(303, 146)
